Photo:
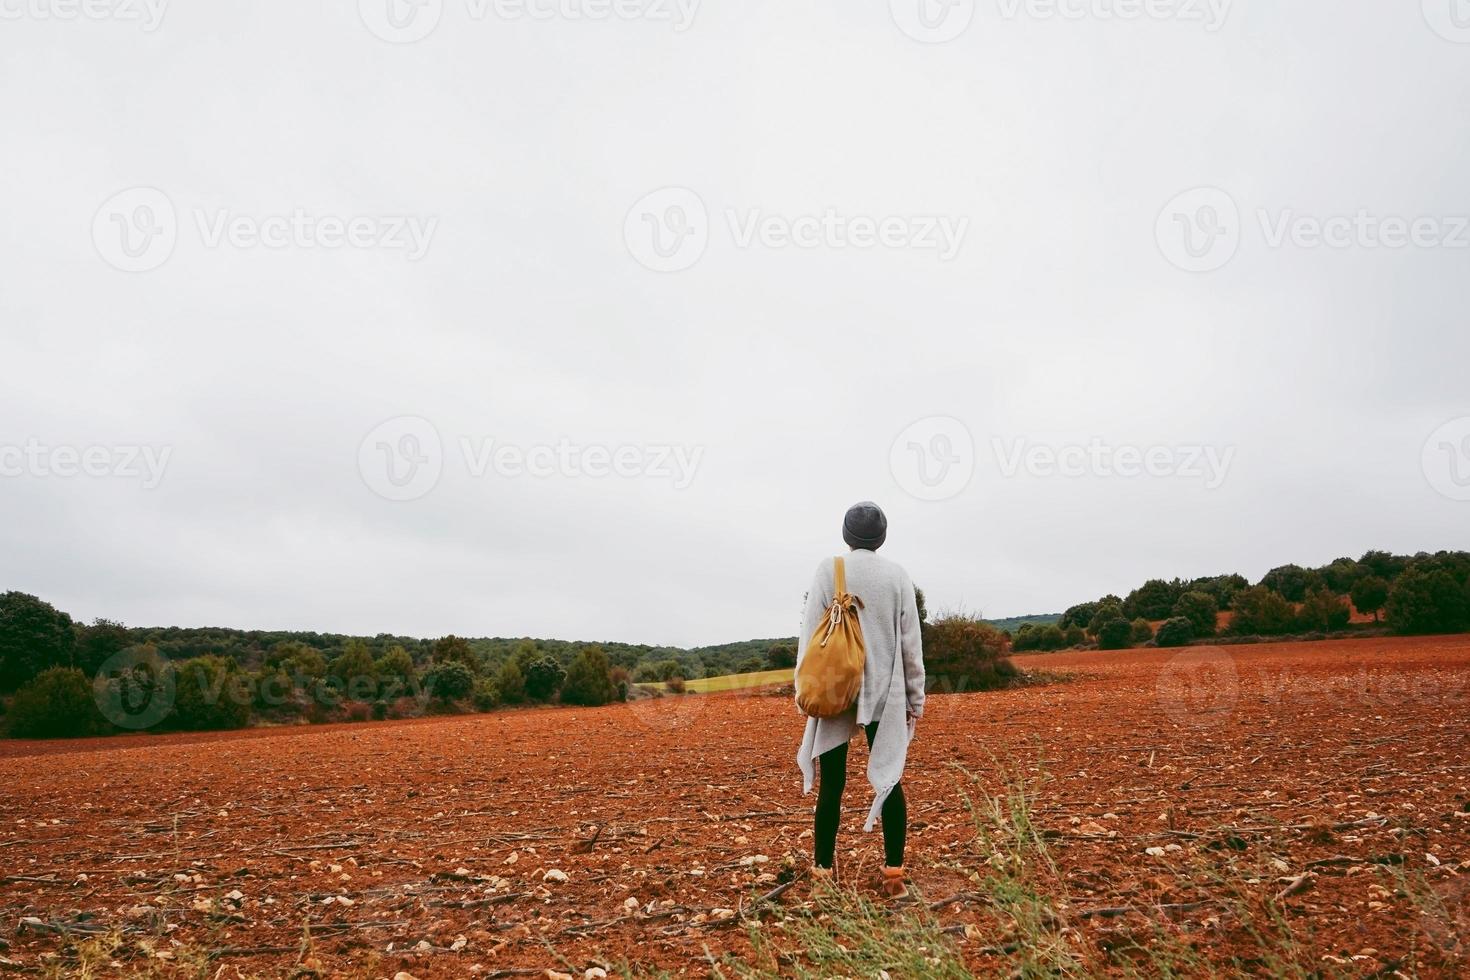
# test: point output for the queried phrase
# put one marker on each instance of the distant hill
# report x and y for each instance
(1013, 623)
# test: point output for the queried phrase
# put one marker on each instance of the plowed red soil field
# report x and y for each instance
(1335, 775)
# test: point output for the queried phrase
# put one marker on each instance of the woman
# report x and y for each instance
(889, 704)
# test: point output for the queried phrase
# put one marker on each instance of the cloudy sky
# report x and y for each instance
(588, 319)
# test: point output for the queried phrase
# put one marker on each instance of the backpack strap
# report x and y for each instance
(839, 577)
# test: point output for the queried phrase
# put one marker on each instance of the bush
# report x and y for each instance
(1291, 582)
(1176, 632)
(56, 703)
(587, 682)
(450, 680)
(485, 695)
(355, 673)
(781, 656)
(1141, 630)
(675, 685)
(1324, 611)
(1107, 610)
(1079, 615)
(211, 693)
(1369, 595)
(359, 711)
(1154, 599)
(395, 671)
(966, 654)
(1115, 634)
(543, 679)
(1199, 608)
(621, 682)
(511, 683)
(34, 635)
(1075, 636)
(456, 649)
(1261, 612)
(1422, 601)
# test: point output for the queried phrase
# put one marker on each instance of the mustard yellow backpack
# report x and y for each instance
(831, 671)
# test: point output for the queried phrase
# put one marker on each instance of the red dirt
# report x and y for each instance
(1353, 754)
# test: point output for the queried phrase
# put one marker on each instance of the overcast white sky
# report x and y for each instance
(799, 378)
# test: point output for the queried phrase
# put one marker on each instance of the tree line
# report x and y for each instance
(1408, 594)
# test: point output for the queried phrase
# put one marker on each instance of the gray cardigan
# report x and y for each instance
(893, 671)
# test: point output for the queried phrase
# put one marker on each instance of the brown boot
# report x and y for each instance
(893, 884)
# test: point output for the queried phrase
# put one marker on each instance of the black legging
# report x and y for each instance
(829, 806)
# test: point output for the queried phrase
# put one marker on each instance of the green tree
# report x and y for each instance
(56, 703)
(34, 635)
(1153, 599)
(1261, 612)
(1323, 610)
(543, 679)
(1107, 611)
(1076, 636)
(1176, 632)
(781, 656)
(485, 695)
(1224, 588)
(210, 693)
(356, 672)
(1369, 595)
(587, 682)
(1114, 634)
(456, 649)
(95, 643)
(511, 683)
(1383, 564)
(1199, 608)
(1422, 601)
(1079, 615)
(1052, 637)
(1141, 630)
(450, 680)
(395, 669)
(1341, 575)
(1291, 582)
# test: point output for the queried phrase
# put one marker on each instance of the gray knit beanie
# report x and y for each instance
(865, 526)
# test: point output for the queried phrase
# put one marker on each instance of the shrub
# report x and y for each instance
(1369, 595)
(1079, 615)
(1141, 630)
(1175, 632)
(485, 695)
(456, 649)
(450, 680)
(56, 703)
(587, 682)
(621, 680)
(211, 693)
(751, 665)
(1115, 634)
(966, 654)
(355, 672)
(1107, 610)
(543, 679)
(675, 685)
(1324, 611)
(1075, 636)
(1422, 601)
(358, 711)
(1341, 575)
(395, 670)
(1199, 608)
(1261, 612)
(511, 683)
(781, 655)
